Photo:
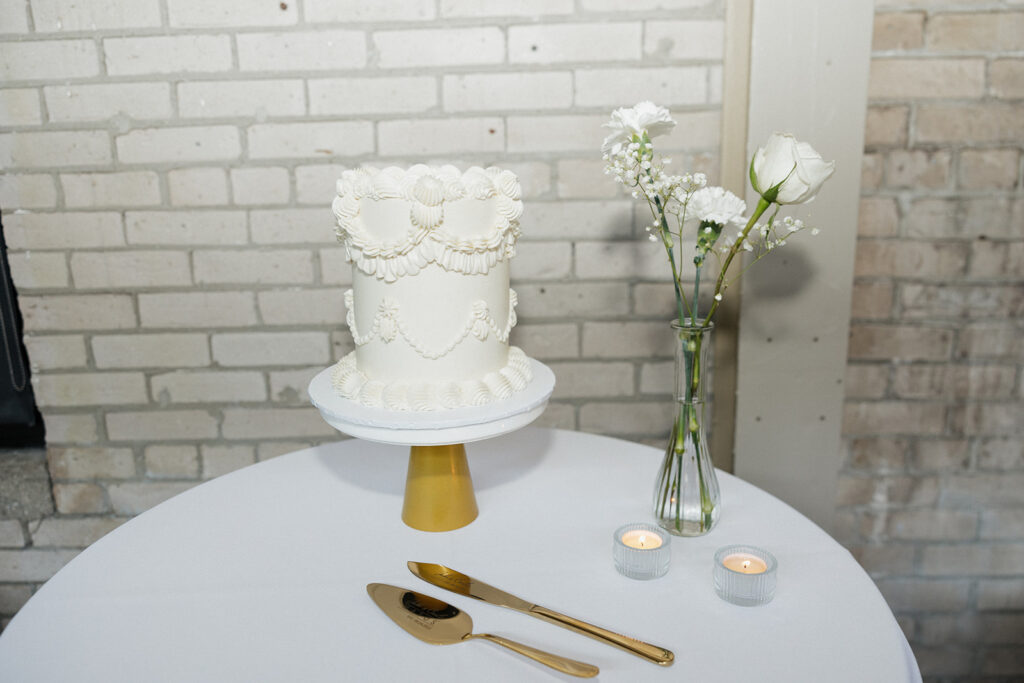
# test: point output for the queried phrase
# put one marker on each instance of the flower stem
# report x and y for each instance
(695, 401)
(680, 297)
(696, 298)
(762, 206)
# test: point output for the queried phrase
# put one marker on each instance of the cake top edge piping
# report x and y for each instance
(425, 182)
(424, 169)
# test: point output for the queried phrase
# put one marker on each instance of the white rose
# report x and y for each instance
(629, 121)
(786, 171)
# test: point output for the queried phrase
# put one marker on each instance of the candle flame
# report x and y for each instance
(746, 564)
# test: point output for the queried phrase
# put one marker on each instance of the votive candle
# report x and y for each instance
(641, 551)
(745, 575)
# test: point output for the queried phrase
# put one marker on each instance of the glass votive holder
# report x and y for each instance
(745, 575)
(641, 551)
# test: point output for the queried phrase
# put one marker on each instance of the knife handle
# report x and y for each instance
(556, 662)
(651, 653)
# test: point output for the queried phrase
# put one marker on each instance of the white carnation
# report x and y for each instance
(717, 205)
(629, 121)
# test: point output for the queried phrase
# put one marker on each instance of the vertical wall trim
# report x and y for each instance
(733, 152)
(809, 67)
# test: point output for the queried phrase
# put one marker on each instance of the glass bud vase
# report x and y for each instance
(686, 496)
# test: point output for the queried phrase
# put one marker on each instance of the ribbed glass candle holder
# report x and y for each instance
(745, 575)
(641, 551)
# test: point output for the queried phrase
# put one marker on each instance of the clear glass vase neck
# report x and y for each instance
(692, 353)
(690, 324)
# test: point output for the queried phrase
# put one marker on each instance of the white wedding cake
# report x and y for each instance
(430, 309)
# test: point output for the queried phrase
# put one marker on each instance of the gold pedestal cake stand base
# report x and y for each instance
(438, 488)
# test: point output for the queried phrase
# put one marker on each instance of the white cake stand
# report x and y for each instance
(438, 488)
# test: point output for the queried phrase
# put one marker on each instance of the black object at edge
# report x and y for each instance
(21, 425)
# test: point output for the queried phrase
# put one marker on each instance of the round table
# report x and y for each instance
(260, 575)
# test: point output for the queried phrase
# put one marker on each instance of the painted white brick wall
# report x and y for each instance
(324, 50)
(227, 99)
(71, 15)
(73, 102)
(127, 188)
(224, 13)
(304, 140)
(20, 107)
(376, 95)
(186, 228)
(358, 12)
(177, 145)
(440, 136)
(29, 191)
(168, 168)
(167, 54)
(172, 350)
(507, 92)
(53, 149)
(49, 60)
(252, 186)
(417, 49)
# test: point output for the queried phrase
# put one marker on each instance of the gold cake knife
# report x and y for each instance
(457, 582)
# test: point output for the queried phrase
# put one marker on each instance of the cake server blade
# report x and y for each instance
(438, 623)
(457, 582)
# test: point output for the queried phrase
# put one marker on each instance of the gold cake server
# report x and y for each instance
(457, 582)
(438, 623)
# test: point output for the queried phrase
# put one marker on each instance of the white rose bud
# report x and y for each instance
(786, 171)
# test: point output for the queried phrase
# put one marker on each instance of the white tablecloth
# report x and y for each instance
(260, 575)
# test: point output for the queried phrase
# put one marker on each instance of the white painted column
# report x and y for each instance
(808, 76)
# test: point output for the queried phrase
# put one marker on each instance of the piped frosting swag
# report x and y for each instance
(427, 189)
